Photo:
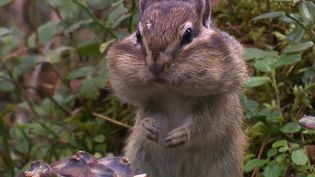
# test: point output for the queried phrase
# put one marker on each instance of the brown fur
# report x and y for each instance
(202, 7)
(189, 119)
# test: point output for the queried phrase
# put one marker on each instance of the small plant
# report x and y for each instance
(53, 80)
(284, 80)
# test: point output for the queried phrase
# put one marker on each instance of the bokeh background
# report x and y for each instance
(55, 99)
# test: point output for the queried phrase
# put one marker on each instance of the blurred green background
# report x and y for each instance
(55, 100)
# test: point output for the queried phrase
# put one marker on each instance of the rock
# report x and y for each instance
(82, 164)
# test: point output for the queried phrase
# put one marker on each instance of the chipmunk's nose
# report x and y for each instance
(156, 68)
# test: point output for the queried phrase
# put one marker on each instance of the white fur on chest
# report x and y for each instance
(174, 105)
(172, 110)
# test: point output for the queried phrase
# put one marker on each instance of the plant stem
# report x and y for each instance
(98, 22)
(276, 89)
(6, 145)
(269, 26)
(133, 7)
(19, 88)
(48, 129)
(112, 120)
(308, 31)
(34, 25)
(29, 142)
(64, 110)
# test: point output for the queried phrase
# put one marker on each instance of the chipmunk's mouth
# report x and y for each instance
(159, 80)
(171, 81)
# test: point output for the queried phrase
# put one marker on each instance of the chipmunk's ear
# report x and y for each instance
(203, 9)
(207, 14)
(144, 4)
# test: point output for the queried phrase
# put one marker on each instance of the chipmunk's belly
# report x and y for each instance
(172, 110)
(182, 161)
(174, 162)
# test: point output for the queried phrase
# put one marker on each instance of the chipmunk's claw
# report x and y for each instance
(153, 129)
(176, 137)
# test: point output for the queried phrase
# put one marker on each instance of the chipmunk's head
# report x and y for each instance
(175, 48)
(164, 30)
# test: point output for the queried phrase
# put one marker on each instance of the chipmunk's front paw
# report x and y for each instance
(152, 129)
(176, 137)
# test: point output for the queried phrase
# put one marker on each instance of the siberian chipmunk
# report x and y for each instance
(183, 76)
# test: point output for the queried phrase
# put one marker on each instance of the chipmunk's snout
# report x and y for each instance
(156, 64)
(156, 68)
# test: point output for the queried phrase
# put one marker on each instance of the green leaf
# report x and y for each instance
(81, 72)
(105, 45)
(281, 158)
(271, 152)
(6, 86)
(65, 52)
(291, 127)
(77, 26)
(99, 4)
(90, 87)
(309, 132)
(305, 13)
(269, 15)
(311, 8)
(262, 65)
(257, 130)
(45, 33)
(256, 81)
(296, 35)
(298, 47)
(52, 56)
(274, 117)
(294, 146)
(250, 105)
(26, 64)
(69, 9)
(117, 15)
(253, 53)
(280, 143)
(272, 170)
(288, 59)
(252, 164)
(99, 138)
(89, 49)
(284, 149)
(4, 2)
(83, 2)
(299, 157)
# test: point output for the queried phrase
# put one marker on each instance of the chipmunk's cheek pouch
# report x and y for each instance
(125, 60)
(233, 73)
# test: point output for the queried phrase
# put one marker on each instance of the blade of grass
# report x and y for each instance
(5, 142)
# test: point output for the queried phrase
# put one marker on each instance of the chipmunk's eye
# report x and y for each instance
(187, 37)
(139, 37)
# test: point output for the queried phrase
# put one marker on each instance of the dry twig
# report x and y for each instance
(112, 120)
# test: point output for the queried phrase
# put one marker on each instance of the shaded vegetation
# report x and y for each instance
(53, 80)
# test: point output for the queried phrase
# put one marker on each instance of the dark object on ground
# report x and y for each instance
(81, 164)
(310, 149)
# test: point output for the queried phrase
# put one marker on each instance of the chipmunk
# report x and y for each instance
(183, 76)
